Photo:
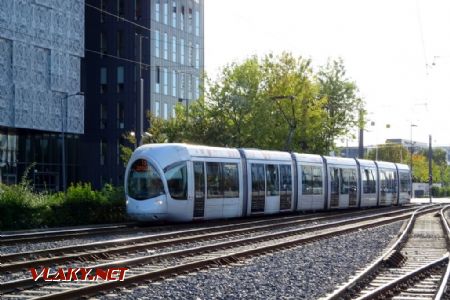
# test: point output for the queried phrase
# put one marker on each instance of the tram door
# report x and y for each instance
(199, 184)
(334, 187)
(285, 188)
(258, 181)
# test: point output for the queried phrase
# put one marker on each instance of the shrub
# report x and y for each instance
(21, 208)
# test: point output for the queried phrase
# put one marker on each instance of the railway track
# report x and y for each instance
(58, 234)
(109, 249)
(415, 267)
(157, 266)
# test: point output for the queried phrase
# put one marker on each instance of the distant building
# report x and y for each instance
(160, 41)
(352, 151)
(41, 44)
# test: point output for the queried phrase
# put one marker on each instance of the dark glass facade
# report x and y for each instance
(158, 41)
(21, 148)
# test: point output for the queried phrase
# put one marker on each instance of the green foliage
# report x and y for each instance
(390, 152)
(342, 104)
(274, 102)
(22, 208)
(439, 192)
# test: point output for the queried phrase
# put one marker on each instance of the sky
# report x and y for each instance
(397, 52)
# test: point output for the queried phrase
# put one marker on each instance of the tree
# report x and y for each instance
(276, 102)
(390, 152)
(342, 105)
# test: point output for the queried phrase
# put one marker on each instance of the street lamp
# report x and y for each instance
(140, 102)
(292, 123)
(63, 142)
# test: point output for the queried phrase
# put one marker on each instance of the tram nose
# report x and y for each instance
(148, 210)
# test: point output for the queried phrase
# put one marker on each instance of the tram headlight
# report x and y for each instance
(159, 202)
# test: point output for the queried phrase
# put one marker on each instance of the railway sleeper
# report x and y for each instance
(395, 259)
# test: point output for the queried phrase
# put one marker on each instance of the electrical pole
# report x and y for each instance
(361, 134)
(140, 100)
(430, 166)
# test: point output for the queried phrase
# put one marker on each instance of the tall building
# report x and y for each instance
(41, 45)
(160, 41)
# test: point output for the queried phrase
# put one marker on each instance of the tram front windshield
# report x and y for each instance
(144, 182)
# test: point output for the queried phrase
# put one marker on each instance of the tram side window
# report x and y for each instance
(286, 178)
(334, 180)
(404, 183)
(273, 184)
(345, 177)
(258, 184)
(317, 180)
(394, 182)
(390, 182)
(176, 177)
(144, 181)
(368, 181)
(214, 180)
(230, 180)
(307, 180)
(383, 182)
(352, 180)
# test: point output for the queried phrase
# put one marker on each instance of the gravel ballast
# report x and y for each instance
(305, 272)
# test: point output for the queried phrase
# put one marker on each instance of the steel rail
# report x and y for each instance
(56, 234)
(160, 240)
(444, 282)
(217, 247)
(65, 233)
(373, 267)
(384, 290)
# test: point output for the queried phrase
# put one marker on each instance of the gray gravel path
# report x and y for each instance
(306, 272)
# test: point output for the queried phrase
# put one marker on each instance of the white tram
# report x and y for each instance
(182, 182)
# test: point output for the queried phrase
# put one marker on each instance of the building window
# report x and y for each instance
(182, 51)
(174, 83)
(197, 56)
(158, 79)
(182, 18)
(120, 8)
(119, 43)
(103, 6)
(166, 81)
(190, 54)
(197, 23)
(157, 41)
(190, 20)
(103, 149)
(103, 116)
(103, 80)
(103, 43)
(120, 79)
(118, 152)
(174, 113)
(157, 112)
(165, 46)
(166, 12)
(174, 13)
(157, 12)
(120, 116)
(165, 111)
(174, 49)
(197, 88)
(182, 85)
(189, 82)
(137, 9)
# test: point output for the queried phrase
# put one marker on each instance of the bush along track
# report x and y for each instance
(22, 208)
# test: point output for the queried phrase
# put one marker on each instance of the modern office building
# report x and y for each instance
(41, 45)
(160, 41)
